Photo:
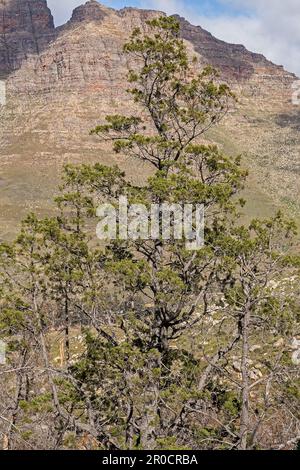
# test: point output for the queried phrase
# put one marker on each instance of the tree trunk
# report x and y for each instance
(150, 417)
(18, 396)
(244, 426)
(67, 328)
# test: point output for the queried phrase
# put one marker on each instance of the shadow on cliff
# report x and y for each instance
(11, 60)
(26, 29)
(289, 120)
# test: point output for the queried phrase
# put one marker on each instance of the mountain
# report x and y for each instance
(61, 82)
(26, 27)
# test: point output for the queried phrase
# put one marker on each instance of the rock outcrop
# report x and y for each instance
(234, 60)
(91, 11)
(26, 27)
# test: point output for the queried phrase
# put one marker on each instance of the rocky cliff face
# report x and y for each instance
(26, 27)
(61, 82)
(89, 12)
(233, 60)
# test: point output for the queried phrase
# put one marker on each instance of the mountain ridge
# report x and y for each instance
(35, 17)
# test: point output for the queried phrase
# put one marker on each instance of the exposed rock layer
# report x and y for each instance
(26, 27)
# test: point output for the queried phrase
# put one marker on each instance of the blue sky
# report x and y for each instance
(209, 7)
(270, 27)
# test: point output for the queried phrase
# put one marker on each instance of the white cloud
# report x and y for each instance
(270, 27)
(62, 9)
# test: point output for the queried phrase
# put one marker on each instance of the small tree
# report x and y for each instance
(263, 304)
